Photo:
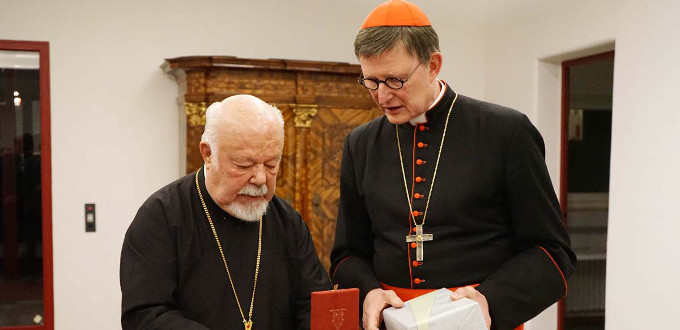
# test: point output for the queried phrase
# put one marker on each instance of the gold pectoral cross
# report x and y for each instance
(248, 324)
(419, 237)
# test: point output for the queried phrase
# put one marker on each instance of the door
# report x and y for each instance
(26, 292)
(586, 145)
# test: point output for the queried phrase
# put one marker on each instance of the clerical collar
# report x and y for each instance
(422, 118)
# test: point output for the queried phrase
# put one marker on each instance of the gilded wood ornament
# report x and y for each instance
(195, 113)
(195, 117)
(304, 113)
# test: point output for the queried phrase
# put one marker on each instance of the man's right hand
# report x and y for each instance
(376, 300)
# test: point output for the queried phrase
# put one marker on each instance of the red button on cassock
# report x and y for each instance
(419, 179)
(414, 245)
(418, 281)
(417, 196)
(422, 145)
(415, 263)
(423, 127)
(420, 162)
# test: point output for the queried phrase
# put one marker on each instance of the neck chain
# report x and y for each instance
(403, 173)
(248, 324)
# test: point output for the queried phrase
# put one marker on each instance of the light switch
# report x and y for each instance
(90, 224)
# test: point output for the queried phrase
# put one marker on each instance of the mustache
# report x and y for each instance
(253, 190)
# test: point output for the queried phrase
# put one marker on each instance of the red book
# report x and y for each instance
(335, 309)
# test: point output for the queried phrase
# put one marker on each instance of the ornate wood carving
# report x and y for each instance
(320, 102)
(323, 155)
(304, 114)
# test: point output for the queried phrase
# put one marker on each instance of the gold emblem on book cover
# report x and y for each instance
(338, 317)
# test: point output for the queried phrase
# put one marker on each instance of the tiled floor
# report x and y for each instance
(20, 302)
(21, 313)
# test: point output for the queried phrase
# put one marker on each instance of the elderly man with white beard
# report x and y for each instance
(217, 249)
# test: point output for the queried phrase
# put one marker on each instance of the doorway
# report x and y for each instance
(587, 85)
(26, 301)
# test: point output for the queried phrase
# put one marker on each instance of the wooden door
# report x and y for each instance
(323, 154)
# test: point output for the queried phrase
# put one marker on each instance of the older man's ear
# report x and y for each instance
(206, 153)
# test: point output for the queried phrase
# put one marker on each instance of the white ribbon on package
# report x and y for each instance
(435, 311)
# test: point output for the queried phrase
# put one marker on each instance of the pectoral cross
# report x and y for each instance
(419, 237)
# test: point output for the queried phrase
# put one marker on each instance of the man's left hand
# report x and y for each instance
(470, 293)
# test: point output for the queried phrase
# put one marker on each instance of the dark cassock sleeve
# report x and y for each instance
(352, 255)
(149, 273)
(535, 277)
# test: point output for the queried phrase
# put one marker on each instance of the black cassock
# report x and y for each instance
(494, 215)
(172, 275)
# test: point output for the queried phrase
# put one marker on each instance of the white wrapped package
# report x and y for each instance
(434, 311)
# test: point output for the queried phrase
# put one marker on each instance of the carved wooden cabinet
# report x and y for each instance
(320, 101)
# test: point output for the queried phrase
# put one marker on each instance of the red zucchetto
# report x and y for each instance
(396, 13)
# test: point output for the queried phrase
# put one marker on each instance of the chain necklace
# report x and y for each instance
(248, 324)
(419, 237)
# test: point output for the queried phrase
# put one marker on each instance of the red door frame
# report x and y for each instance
(43, 48)
(564, 144)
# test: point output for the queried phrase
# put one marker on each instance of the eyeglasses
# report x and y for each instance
(391, 82)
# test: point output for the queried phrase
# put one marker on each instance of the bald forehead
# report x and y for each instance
(246, 107)
(248, 115)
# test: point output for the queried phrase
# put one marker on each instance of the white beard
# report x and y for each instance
(253, 211)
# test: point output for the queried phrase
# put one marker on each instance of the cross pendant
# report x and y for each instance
(419, 237)
(247, 324)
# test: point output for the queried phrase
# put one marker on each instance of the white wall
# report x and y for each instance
(115, 124)
(642, 268)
